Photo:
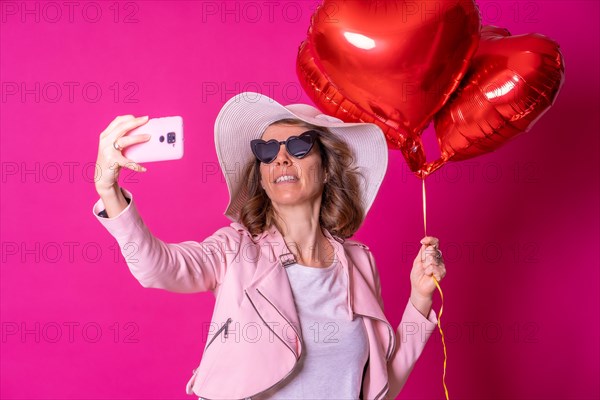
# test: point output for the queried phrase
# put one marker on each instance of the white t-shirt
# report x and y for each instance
(335, 348)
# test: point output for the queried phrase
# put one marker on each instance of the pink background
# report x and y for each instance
(518, 227)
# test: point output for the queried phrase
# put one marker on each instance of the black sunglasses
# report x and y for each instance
(297, 146)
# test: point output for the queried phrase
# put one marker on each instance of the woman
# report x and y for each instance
(298, 312)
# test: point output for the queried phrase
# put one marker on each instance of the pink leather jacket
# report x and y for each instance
(257, 339)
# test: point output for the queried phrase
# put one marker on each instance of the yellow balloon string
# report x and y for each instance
(439, 318)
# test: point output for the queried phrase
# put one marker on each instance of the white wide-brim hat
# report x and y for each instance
(247, 115)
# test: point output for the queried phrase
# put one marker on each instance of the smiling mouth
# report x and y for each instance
(286, 179)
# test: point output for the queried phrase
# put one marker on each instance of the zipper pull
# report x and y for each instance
(227, 327)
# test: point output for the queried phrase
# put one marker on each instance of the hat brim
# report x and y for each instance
(246, 116)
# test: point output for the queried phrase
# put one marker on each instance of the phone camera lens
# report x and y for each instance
(161, 138)
(171, 137)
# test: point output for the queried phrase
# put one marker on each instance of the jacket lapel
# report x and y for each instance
(364, 300)
(272, 296)
(271, 293)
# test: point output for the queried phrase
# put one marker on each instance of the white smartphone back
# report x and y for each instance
(165, 144)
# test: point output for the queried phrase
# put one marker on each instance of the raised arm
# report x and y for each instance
(411, 336)
(184, 267)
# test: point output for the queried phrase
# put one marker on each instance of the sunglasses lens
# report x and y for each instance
(300, 146)
(266, 151)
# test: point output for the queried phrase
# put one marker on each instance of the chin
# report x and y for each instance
(289, 199)
(286, 201)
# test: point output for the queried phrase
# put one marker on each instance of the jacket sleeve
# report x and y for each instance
(184, 267)
(411, 336)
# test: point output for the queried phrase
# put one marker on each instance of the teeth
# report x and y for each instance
(285, 178)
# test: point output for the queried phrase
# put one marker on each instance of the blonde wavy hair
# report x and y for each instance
(341, 208)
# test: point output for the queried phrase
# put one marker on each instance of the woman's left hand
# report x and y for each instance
(428, 262)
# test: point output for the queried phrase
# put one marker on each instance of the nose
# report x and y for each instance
(283, 157)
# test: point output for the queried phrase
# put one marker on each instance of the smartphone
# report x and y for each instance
(165, 144)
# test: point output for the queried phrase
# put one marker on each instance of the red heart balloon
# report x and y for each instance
(511, 83)
(394, 63)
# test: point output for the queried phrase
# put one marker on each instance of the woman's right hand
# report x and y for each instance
(110, 160)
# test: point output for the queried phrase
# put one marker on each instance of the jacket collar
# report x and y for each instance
(361, 298)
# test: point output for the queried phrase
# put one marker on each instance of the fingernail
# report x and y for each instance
(144, 169)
